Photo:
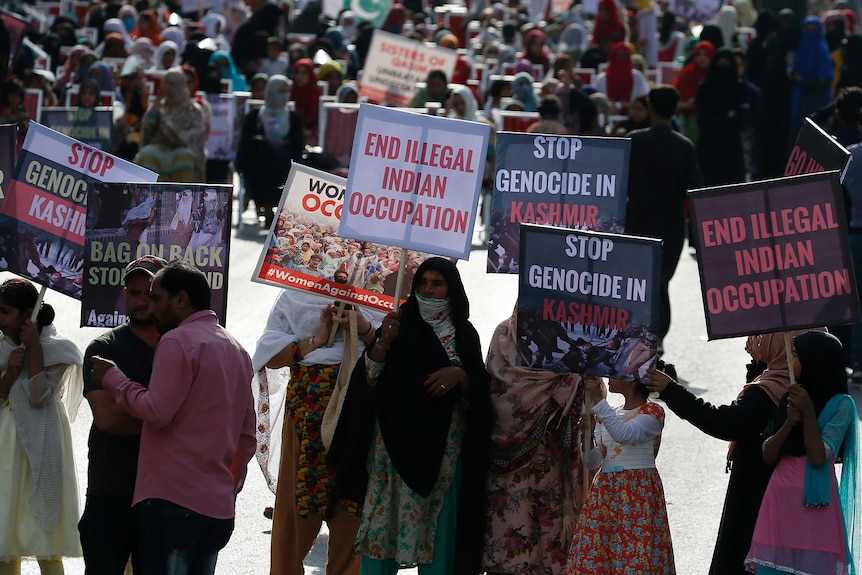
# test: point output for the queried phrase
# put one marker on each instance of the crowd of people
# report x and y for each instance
(434, 455)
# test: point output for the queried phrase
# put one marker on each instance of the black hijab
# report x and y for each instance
(414, 425)
(722, 79)
(851, 69)
(713, 34)
(668, 25)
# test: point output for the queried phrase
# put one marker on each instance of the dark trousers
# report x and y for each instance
(108, 535)
(671, 250)
(174, 540)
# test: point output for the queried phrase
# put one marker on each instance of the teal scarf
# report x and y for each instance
(818, 480)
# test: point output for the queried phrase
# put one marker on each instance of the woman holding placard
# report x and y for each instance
(536, 479)
(623, 527)
(805, 524)
(741, 422)
(415, 429)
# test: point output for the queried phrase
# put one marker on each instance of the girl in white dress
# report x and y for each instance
(39, 499)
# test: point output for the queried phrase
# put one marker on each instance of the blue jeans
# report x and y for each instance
(173, 540)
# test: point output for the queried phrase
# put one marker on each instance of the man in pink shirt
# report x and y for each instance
(198, 428)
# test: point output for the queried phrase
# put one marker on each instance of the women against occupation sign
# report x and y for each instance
(587, 301)
(395, 64)
(774, 255)
(414, 181)
(304, 251)
(570, 182)
(43, 216)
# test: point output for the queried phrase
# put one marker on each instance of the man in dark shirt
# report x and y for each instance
(663, 167)
(107, 526)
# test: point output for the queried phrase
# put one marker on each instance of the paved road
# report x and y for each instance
(691, 464)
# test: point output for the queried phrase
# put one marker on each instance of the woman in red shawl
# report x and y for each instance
(148, 27)
(621, 82)
(687, 83)
(609, 27)
(534, 50)
(306, 94)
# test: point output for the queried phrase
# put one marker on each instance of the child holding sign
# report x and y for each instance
(623, 525)
(815, 423)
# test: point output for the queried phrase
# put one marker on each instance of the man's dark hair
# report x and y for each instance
(178, 276)
(663, 101)
(439, 74)
(848, 105)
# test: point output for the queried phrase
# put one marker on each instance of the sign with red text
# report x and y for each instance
(571, 182)
(43, 218)
(304, 251)
(587, 302)
(816, 151)
(186, 222)
(414, 181)
(395, 64)
(774, 255)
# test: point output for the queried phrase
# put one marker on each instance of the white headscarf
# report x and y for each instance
(469, 101)
(177, 36)
(116, 25)
(275, 116)
(348, 31)
(165, 46)
(38, 428)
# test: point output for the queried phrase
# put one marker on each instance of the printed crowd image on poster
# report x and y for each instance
(305, 252)
(188, 222)
(570, 182)
(46, 210)
(588, 302)
(774, 255)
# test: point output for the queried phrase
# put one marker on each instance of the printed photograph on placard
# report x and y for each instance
(587, 302)
(187, 222)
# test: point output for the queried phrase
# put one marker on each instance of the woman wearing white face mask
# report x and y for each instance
(414, 437)
(270, 141)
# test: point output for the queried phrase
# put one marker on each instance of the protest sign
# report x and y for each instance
(220, 139)
(816, 151)
(92, 126)
(8, 156)
(697, 10)
(414, 181)
(16, 25)
(571, 182)
(304, 251)
(192, 6)
(774, 255)
(588, 302)
(395, 64)
(188, 222)
(44, 212)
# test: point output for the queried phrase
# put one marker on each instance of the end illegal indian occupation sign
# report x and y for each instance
(774, 255)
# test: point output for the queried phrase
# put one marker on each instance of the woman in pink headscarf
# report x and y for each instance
(534, 50)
